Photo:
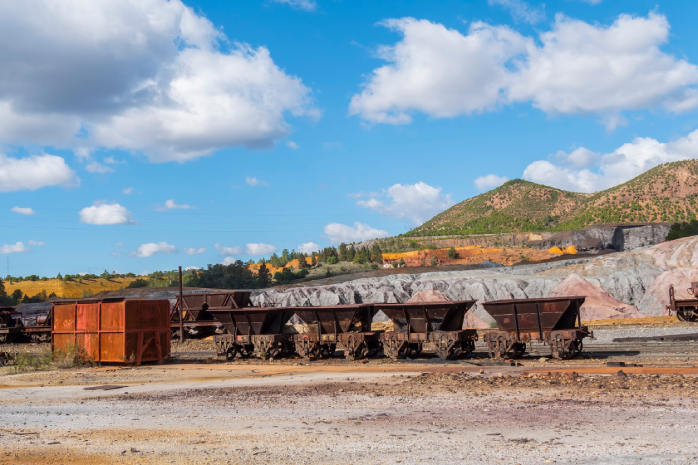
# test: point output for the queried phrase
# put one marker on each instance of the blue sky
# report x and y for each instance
(145, 135)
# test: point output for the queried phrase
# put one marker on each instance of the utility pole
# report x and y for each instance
(181, 303)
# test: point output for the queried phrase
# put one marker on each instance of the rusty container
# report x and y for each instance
(437, 323)
(555, 321)
(113, 330)
(347, 327)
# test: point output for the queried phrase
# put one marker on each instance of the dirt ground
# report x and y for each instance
(296, 412)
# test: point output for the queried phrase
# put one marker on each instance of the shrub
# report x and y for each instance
(332, 261)
(402, 262)
(395, 264)
(452, 254)
(137, 283)
(434, 261)
(374, 266)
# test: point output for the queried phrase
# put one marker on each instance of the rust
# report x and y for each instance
(113, 330)
(439, 323)
(555, 321)
(197, 320)
(685, 309)
(10, 324)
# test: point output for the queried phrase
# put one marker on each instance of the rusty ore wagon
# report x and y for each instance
(556, 321)
(438, 323)
(685, 309)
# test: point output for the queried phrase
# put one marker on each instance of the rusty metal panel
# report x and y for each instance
(426, 317)
(534, 315)
(252, 320)
(114, 330)
(336, 318)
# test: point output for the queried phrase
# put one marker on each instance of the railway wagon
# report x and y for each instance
(198, 321)
(37, 326)
(439, 323)
(685, 309)
(345, 327)
(10, 325)
(556, 321)
(253, 331)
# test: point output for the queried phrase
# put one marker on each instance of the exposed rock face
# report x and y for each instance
(656, 299)
(599, 304)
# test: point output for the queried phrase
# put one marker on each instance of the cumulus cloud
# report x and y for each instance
(109, 214)
(19, 247)
(150, 76)
(189, 268)
(95, 167)
(237, 250)
(292, 145)
(171, 205)
(418, 202)
(579, 68)
(307, 5)
(127, 190)
(23, 210)
(193, 251)
(484, 183)
(585, 171)
(152, 248)
(521, 11)
(118, 244)
(338, 233)
(308, 247)
(37, 243)
(259, 249)
(228, 261)
(34, 172)
(255, 182)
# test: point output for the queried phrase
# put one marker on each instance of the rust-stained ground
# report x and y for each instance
(350, 413)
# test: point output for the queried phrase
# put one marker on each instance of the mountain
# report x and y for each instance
(665, 193)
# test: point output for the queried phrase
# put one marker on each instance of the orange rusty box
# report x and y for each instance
(114, 330)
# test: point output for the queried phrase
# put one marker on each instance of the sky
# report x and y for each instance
(141, 135)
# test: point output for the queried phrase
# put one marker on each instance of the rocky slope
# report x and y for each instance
(623, 282)
(666, 193)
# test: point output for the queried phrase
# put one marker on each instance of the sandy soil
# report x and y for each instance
(363, 413)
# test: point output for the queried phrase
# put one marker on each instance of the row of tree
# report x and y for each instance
(17, 297)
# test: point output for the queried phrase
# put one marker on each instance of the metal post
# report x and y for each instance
(181, 313)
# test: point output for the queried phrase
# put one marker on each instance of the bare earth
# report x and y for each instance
(379, 412)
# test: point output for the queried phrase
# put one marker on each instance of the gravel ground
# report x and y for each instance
(354, 418)
(606, 336)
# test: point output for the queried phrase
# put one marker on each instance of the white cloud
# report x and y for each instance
(586, 171)
(580, 68)
(113, 161)
(37, 243)
(19, 247)
(307, 5)
(23, 210)
(484, 183)
(228, 261)
(592, 2)
(338, 233)
(255, 182)
(34, 172)
(127, 190)
(237, 250)
(171, 205)
(521, 11)
(151, 76)
(293, 145)
(95, 167)
(259, 249)
(193, 251)
(189, 268)
(116, 254)
(101, 213)
(439, 71)
(308, 247)
(418, 202)
(150, 249)
(119, 244)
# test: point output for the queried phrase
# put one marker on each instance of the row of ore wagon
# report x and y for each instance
(259, 331)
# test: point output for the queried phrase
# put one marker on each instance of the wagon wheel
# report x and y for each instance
(273, 351)
(455, 351)
(468, 347)
(35, 338)
(518, 350)
(314, 352)
(680, 315)
(6, 338)
(580, 347)
(499, 347)
(246, 350)
(415, 348)
(442, 350)
(231, 352)
(374, 349)
(326, 350)
(397, 350)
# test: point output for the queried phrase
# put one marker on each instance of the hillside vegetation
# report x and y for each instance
(666, 193)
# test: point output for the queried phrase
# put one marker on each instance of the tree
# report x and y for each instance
(233, 276)
(343, 252)
(137, 283)
(452, 254)
(3, 293)
(434, 261)
(17, 295)
(402, 262)
(263, 276)
(301, 260)
(350, 253)
(59, 277)
(314, 259)
(376, 254)
(332, 261)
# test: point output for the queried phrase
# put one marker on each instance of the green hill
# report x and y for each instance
(666, 193)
